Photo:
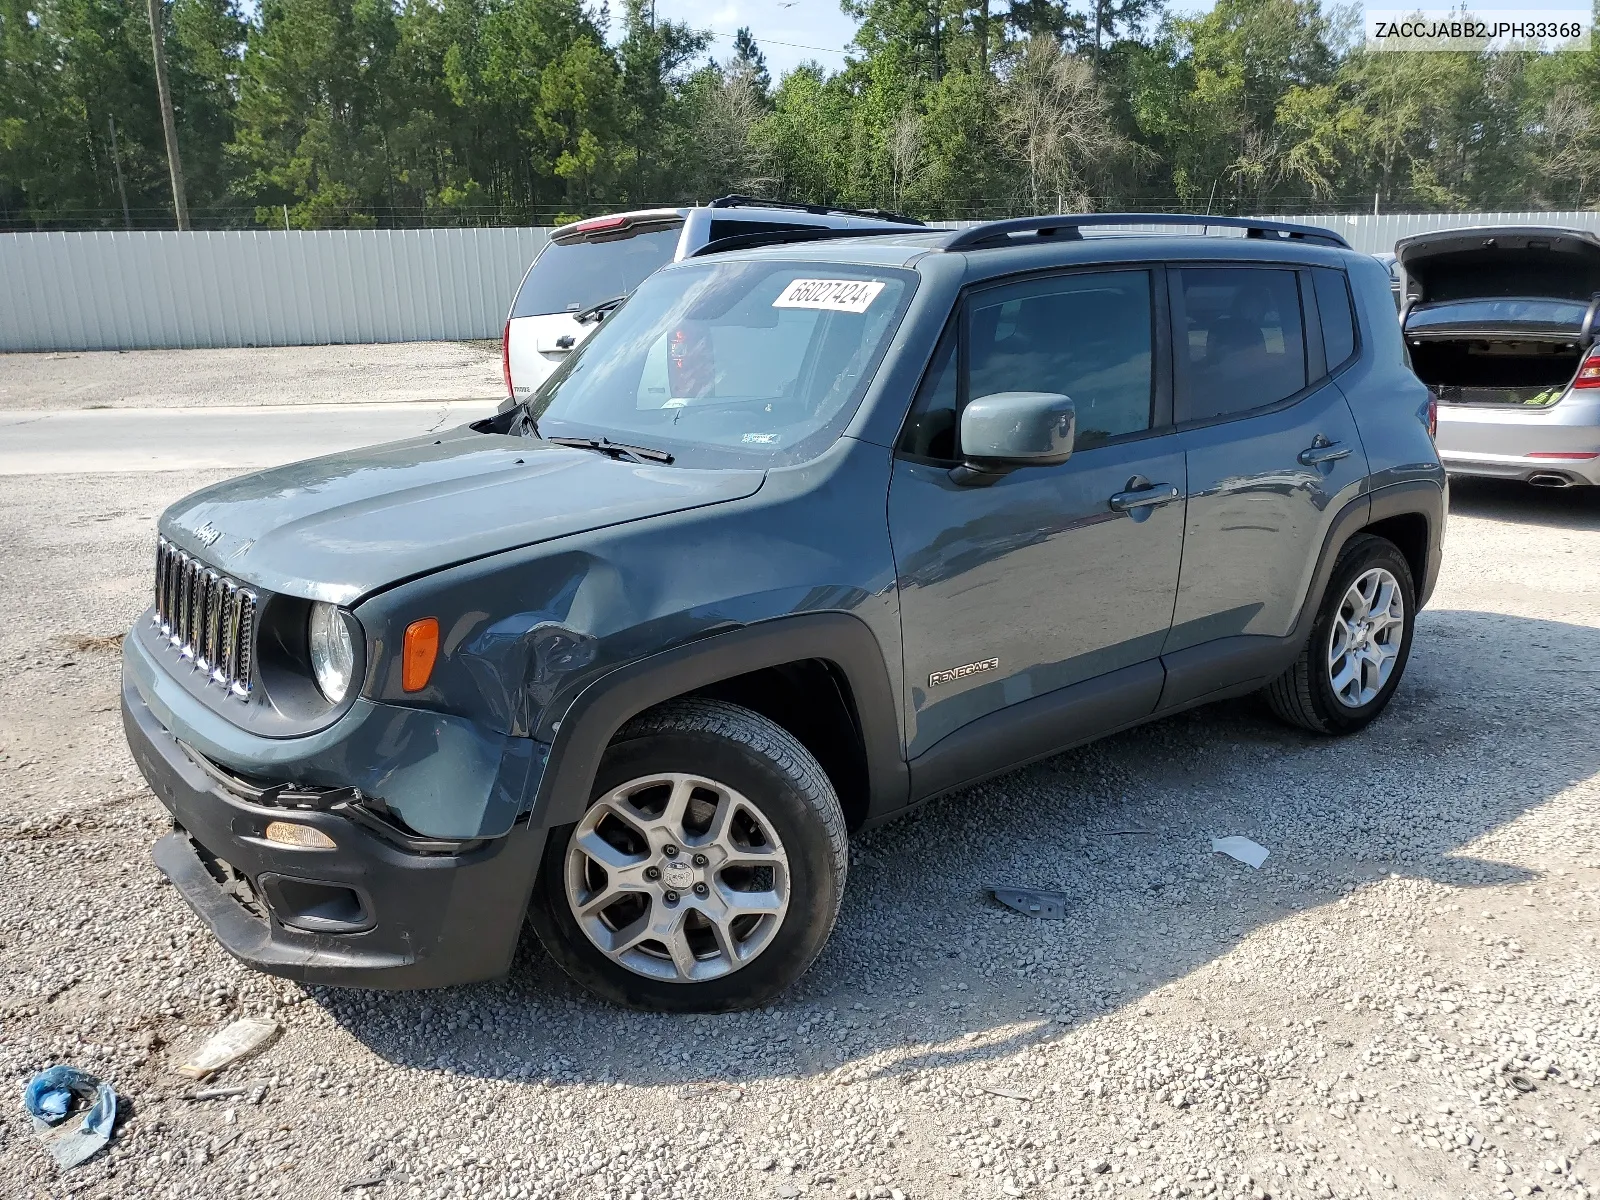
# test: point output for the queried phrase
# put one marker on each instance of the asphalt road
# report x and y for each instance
(101, 441)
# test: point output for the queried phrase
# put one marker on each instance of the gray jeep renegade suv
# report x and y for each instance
(802, 536)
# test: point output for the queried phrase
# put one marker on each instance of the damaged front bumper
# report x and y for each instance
(383, 907)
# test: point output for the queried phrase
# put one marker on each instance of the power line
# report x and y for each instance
(728, 37)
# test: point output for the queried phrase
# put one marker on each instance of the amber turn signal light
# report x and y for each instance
(416, 657)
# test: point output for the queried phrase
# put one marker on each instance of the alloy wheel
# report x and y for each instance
(677, 877)
(1364, 643)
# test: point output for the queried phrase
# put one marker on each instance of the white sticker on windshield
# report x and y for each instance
(835, 295)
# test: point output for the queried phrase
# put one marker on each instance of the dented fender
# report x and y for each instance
(641, 612)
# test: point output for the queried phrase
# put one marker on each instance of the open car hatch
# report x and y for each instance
(1500, 315)
(1489, 264)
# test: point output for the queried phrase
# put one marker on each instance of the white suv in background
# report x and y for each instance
(588, 267)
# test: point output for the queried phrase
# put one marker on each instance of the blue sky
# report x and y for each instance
(815, 29)
(790, 32)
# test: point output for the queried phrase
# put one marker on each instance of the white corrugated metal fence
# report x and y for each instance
(1377, 235)
(129, 291)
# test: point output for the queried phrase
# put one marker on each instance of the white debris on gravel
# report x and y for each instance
(1241, 849)
(1402, 1001)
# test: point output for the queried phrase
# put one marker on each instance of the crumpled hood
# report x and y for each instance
(340, 527)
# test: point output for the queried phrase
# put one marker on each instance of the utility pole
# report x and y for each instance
(1099, 15)
(116, 161)
(169, 128)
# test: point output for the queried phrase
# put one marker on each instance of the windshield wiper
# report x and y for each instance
(598, 312)
(616, 449)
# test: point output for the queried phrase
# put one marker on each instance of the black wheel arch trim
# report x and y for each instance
(1240, 664)
(609, 702)
(1430, 501)
(1415, 497)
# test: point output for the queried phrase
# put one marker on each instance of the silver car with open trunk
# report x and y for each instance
(1501, 325)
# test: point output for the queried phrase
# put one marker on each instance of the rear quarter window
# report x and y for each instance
(572, 276)
(1369, 281)
(1338, 318)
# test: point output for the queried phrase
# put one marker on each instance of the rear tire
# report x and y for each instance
(706, 875)
(1359, 643)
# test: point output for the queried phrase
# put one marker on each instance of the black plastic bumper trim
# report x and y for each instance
(436, 919)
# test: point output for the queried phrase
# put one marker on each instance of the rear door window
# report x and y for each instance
(1240, 339)
(569, 277)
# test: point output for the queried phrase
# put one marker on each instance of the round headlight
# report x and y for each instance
(333, 656)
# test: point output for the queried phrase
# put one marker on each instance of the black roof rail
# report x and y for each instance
(737, 200)
(780, 237)
(1066, 228)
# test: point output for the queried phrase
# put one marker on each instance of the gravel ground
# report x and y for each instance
(262, 375)
(1403, 1000)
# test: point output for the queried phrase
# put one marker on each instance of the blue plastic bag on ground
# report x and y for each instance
(70, 1140)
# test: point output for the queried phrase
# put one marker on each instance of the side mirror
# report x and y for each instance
(1006, 430)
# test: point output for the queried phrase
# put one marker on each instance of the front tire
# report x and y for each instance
(706, 874)
(1359, 643)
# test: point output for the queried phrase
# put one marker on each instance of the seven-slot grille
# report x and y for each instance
(207, 617)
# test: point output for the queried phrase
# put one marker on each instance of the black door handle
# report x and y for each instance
(1144, 497)
(1323, 451)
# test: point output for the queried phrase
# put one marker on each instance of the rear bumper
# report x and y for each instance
(1571, 471)
(1508, 442)
(368, 913)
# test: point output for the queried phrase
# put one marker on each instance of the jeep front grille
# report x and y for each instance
(206, 617)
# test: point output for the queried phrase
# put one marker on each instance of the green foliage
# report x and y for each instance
(70, 71)
(350, 112)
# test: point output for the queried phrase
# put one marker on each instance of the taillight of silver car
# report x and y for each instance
(1589, 374)
(505, 359)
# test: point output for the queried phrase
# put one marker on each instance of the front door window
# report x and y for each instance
(1084, 336)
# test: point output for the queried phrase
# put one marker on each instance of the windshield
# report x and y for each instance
(569, 277)
(753, 363)
(1512, 311)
